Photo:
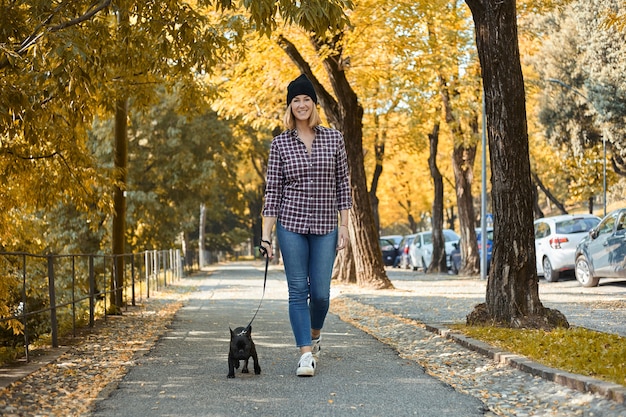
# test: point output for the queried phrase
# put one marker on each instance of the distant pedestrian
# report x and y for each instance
(307, 198)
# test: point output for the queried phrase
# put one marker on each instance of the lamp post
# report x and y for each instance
(569, 87)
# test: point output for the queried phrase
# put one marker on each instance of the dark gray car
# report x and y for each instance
(602, 253)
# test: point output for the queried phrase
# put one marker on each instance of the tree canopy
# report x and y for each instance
(64, 64)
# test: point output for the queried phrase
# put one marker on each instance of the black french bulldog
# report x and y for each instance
(241, 348)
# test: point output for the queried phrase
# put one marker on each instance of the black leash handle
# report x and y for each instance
(267, 262)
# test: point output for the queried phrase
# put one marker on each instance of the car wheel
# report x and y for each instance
(583, 273)
(548, 273)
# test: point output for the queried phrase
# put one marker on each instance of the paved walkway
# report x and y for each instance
(436, 299)
(185, 374)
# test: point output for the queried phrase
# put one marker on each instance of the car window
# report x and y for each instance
(427, 238)
(592, 223)
(575, 226)
(449, 236)
(622, 222)
(606, 226)
(386, 244)
(542, 230)
(407, 240)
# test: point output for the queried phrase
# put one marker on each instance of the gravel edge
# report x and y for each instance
(611, 391)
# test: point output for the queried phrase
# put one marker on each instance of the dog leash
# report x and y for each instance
(263, 252)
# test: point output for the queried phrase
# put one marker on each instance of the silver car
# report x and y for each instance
(421, 249)
(602, 253)
(556, 239)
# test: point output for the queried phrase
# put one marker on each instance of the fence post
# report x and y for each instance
(25, 309)
(104, 285)
(164, 262)
(92, 292)
(155, 261)
(177, 265)
(53, 308)
(146, 260)
(73, 296)
(132, 279)
(172, 265)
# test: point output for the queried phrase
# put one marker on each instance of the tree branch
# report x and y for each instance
(547, 192)
(41, 29)
(91, 12)
(619, 165)
(31, 157)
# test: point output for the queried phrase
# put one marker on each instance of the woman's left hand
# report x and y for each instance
(343, 237)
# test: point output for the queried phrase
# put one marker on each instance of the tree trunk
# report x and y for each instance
(343, 270)
(512, 295)
(120, 163)
(536, 207)
(438, 261)
(379, 149)
(119, 202)
(346, 115)
(463, 157)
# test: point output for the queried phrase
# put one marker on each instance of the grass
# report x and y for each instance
(577, 350)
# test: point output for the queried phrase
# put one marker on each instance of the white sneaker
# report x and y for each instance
(306, 365)
(316, 347)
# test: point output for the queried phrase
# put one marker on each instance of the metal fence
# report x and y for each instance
(68, 285)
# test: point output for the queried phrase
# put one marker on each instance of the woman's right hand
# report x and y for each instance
(266, 249)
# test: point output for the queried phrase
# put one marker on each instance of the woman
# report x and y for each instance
(307, 198)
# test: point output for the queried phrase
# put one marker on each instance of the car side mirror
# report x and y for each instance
(593, 233)
(456, 245)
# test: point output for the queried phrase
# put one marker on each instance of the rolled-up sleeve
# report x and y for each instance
(344, 195)
(273, 183)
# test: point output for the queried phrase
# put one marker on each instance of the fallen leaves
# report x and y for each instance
(70, 385)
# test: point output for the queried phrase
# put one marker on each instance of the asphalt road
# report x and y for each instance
(185, 374)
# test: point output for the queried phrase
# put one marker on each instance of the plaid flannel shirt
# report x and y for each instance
(306, 191)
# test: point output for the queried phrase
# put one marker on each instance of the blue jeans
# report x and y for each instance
(308, 261)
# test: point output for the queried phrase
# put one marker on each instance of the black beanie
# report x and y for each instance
(299, 86)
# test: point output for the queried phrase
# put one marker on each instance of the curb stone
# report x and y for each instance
(585, 384)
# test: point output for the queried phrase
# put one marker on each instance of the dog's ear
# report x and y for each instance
(231, 332)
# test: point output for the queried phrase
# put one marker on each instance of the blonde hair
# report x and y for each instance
(290, 121)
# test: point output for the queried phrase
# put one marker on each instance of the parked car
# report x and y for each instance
(455, 255)
(556, 239)
(602, 253)
(396, 239)
(421, 249)
(402, 260)
(389, 246)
